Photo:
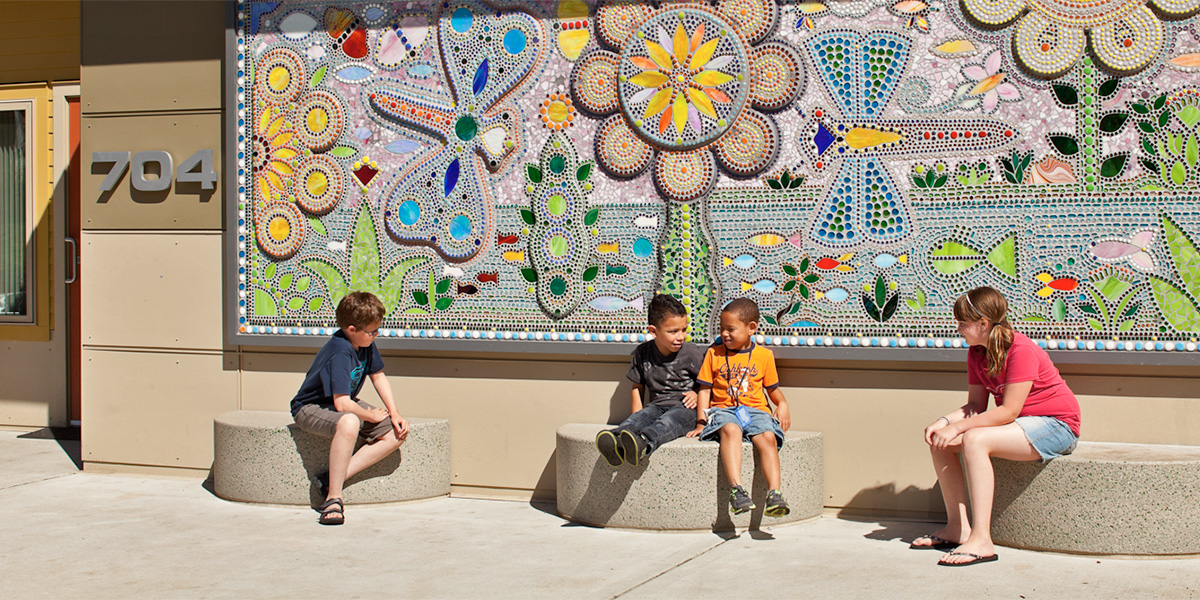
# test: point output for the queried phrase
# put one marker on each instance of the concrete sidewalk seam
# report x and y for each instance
(675, 566)
(17, 485)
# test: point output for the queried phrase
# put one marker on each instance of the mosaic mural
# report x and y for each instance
(538, 170)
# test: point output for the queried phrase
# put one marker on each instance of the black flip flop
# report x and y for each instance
(331, 514)
(975, 559)
(938, 543)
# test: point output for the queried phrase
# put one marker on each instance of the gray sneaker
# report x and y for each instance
(739, 501)
(606, 444)
(634, 447)
(777, 506)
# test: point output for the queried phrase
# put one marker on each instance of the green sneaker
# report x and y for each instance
(634, 446)
(739, 501)
(606, 444)
(777, 506)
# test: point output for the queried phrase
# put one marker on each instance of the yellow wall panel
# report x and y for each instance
(156, 290)
(39, 41)
(155, 408)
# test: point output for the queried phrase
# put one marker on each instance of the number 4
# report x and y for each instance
(206, 176)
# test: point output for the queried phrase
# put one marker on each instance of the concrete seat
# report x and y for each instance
(262, 456)
(681, 486)
(1105, 498)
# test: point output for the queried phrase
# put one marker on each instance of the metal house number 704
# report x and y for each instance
(197, 168)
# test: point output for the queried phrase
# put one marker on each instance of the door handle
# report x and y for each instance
(73, 260)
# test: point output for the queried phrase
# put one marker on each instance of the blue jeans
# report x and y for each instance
(760, 422)
(659, 424)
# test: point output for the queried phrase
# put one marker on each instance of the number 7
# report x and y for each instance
(120, 162)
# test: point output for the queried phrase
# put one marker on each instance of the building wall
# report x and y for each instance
(39, 51)
(39, 41)
(156, 369)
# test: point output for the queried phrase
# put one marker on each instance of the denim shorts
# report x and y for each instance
(760, 422)
(1049, 436)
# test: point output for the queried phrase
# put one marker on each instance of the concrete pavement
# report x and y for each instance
(71, 535)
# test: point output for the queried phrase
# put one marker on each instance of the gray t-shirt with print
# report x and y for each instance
(665, 378)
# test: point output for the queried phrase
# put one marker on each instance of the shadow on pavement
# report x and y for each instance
(67, 438)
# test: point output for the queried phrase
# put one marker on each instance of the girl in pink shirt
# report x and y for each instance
(1036, 417)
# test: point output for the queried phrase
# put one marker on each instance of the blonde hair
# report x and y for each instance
(987, 303)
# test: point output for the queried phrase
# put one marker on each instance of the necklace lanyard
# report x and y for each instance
(737, 396)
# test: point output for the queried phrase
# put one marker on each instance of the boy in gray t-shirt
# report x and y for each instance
(663, 372)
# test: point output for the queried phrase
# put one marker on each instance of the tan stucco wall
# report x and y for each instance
(156, 370)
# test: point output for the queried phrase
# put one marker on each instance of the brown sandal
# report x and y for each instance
(332, 512)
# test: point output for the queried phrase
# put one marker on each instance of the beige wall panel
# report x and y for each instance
(33, 383)
(183, 205)
(156, 290)
(154, 408)
(503, 414)
(169, 52)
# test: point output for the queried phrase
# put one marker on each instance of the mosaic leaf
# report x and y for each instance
(1066, 145)
(344, 152)
(1112, 122)
(533, 173)
(420, 297)
(1108, 88)
(1113, 166)
(1175, 306)
(285, 282)
(1183, 255)
(889, 309)
(335, 283)
(269, 272)
(481, 78)
(264, 304)
(1060, 309)
(1178, 173)
(528, 217)
(295, 304)
(591, 273)
(317, 225)
(529, 274)
(1191, 151)
(1140, 108)
(443, 303)
(591, 217)
(303, 283)
(364, 253)
(789, 270)
(1066, 94)
(317, 77)
(880, 291)
(315, 304)
(789, 285)
(451, 179)
(443, 286)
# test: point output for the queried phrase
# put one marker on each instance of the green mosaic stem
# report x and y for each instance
(686, 265)
(1085, 125)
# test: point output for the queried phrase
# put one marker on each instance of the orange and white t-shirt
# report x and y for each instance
(744, 377)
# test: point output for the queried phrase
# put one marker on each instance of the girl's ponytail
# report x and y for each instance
(1000, 339)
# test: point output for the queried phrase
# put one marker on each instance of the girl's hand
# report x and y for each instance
(934, 426)
(943, 436)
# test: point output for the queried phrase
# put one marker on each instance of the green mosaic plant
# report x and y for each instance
(1112, 308)
(1178, 305)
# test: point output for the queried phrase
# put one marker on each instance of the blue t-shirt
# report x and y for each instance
(337, 369)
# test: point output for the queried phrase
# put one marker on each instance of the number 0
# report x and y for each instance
(137, 171)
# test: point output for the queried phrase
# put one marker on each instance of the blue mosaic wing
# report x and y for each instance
(836, 55)
(487, 53)
(884, 60)
(441, 203)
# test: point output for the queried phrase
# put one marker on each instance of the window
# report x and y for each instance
(16, 211)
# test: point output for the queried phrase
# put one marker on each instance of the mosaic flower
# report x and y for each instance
(686, 88)
(272, 151)
(1050, 35)
(990, 83)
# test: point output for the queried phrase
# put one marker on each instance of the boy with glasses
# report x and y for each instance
(327, 403)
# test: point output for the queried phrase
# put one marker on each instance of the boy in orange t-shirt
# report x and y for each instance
(736, 378)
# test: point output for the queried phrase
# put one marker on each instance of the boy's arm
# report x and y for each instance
(343, 403)
(781, 409)
(636, 397)
(384, 388)
(702, 400)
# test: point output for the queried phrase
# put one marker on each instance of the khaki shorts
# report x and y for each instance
(322, 420)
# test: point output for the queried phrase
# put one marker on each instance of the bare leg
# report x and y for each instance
(731, 453)
(954, 493)
(768, 452)
(979, 445)
(339, 453)
(372, 453)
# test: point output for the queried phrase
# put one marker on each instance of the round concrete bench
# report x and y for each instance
(1105, 498)
(682, 485)
(261, 456)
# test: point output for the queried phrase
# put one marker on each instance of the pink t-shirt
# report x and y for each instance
(1049, 396)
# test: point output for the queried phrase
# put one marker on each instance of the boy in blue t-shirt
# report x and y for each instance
(328, 405)
(663, 372)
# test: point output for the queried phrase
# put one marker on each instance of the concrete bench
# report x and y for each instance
(681, 486)
(1106, 498)
(261, 456)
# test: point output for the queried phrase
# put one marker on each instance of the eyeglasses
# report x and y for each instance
(372, 333)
